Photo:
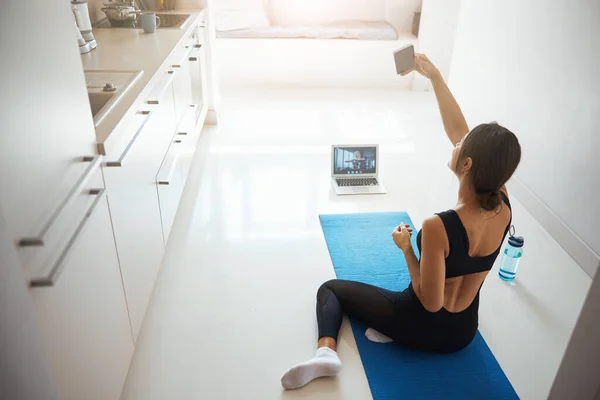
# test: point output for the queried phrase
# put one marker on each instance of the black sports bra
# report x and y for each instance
(459, 262)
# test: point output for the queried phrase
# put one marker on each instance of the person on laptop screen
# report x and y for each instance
(438, 312)
(358, 163)
(355, 160)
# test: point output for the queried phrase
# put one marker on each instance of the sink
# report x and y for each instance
(170, 20)
(106, 88)
(98, 100)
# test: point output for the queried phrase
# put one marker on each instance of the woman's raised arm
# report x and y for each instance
(455, 124)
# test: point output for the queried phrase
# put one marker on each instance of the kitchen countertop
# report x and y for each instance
(132, 49)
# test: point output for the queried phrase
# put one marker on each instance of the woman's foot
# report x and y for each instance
(324, 363)
(377, 337)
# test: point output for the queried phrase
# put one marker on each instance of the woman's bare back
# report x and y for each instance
(485, 233)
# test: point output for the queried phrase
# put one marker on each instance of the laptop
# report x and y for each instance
(354, 169)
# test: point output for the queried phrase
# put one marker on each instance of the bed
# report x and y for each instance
(309, 43)
(357, 30)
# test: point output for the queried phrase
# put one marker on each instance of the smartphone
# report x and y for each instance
(404, 58)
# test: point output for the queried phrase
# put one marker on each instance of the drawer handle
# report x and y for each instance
(186, 53)
(197, 46)
(172, 168)
(119, 162)
(57, 268)
(156, 100)
(193, 58)
(68, 200)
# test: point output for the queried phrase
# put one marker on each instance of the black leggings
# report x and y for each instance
(398, 315)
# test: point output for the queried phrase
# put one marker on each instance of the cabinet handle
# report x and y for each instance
(68, 200)
(57, 268)
(119, 162)
(167, 180)
(193, 58)
(156, 100)
(197, 46)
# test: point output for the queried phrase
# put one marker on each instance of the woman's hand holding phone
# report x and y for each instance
(424, 67)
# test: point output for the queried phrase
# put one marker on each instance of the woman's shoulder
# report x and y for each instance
(448, 219)
(435, 230)
(435, 224)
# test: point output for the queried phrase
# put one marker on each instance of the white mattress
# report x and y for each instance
(363, 30)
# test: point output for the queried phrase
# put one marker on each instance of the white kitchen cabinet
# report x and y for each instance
(182, 82)
(46, 125)
(190, 111)
(193, 119)
(55, 210)
(198, 80)
(198, 75)
(170, 185)
(81, 304)
(133, 198)
(188, 135)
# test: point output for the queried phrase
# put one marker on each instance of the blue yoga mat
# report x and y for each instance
(362, 249)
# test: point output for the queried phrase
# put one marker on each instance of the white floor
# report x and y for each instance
(234, 304)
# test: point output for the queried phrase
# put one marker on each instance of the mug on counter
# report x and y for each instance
(150, 21)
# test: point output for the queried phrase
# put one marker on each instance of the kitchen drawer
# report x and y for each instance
(160, 101)
(162, 89)
(181, 54)
(81, 304)
(128, 131)
(182, 87)
(170, 186)
(58, 179)
(189, 133)
(41, 254)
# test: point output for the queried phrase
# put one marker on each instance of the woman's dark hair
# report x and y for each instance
(495, 152)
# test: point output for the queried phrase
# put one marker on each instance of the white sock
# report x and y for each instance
(377, 337)
(324, 363)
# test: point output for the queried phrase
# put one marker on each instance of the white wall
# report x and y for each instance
(533, 66)
(439, 19)
(400, 13)
(95, 9)
(315, 12)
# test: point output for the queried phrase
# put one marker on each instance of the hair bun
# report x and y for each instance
(491, 200)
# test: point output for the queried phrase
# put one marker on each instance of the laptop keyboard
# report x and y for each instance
(357, 182)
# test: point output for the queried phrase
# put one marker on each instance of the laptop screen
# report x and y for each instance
(356, 160)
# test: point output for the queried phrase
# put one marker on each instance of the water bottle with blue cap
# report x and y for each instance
(512, 256)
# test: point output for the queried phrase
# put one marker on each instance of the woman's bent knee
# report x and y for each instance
(326, 288)
(329, 284)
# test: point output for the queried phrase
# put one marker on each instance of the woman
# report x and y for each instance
(357, 161)
(438, 310)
